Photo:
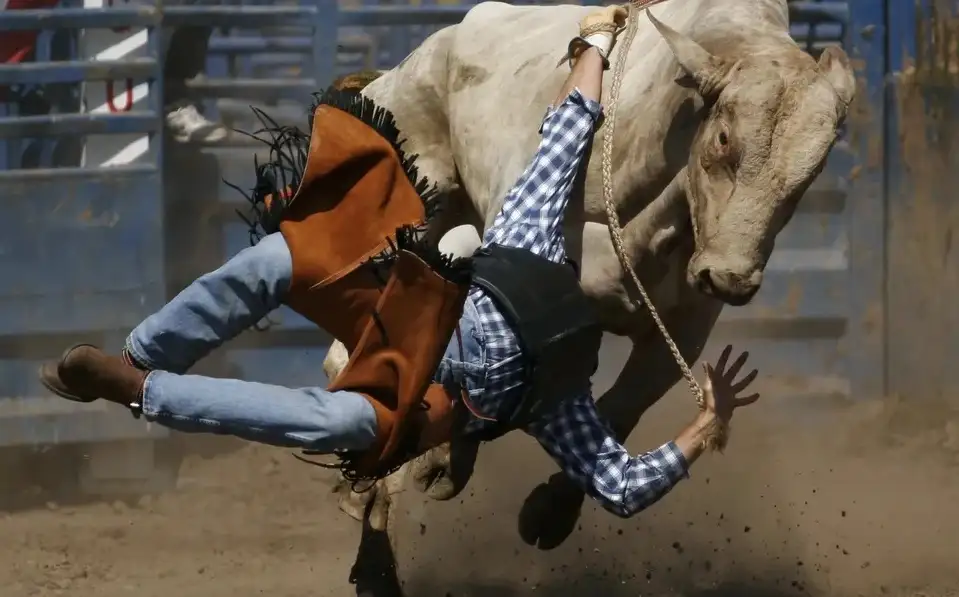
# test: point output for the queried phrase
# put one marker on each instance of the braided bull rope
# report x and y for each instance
(615, 230)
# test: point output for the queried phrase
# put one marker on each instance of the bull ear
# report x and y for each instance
(835, 67)
(707, 70)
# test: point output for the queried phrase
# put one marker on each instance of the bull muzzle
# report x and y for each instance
(734, 284)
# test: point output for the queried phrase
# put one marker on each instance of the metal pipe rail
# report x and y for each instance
(77, 71)
(77, 124)
(80, 18)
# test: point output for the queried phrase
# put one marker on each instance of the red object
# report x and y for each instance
(128, 98)
(16, 45)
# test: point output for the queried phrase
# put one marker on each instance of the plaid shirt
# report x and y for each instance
(574, 434)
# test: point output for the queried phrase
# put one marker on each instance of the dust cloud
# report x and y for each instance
(814, 496)
(860, 504)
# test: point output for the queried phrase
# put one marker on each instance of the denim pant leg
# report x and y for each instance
(212, 310)
(215, 308)
(311, 418)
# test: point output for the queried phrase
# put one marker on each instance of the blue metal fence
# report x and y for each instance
(81, 251)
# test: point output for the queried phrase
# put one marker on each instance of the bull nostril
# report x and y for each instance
(704, 280)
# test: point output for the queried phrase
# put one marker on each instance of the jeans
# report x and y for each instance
(464, 364)
(212, 310)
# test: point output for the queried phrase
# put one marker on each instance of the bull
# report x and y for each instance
(724, 122)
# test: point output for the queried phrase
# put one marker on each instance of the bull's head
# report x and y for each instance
(772, 119)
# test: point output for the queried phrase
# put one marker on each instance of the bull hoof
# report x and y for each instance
(431, 475)
(550, 513)
(435, 485)
(353, 506)
(443, 472)
(351, 503)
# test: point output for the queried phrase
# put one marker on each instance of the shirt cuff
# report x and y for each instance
(576, 102)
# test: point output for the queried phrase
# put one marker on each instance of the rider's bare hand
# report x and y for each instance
(721, 391)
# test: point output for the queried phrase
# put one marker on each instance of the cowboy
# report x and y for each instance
(440, 348)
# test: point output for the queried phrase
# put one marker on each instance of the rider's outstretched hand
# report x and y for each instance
(721, 391)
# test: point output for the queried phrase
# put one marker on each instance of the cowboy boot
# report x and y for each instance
(85, 373)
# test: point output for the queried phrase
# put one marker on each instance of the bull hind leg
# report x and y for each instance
(431, 471)
(352, 503)
(375, 500)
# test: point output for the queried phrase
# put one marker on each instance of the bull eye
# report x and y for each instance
(723, 139)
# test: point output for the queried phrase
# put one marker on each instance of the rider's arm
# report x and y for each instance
(548, 179)
(587, 76)
(587, 451)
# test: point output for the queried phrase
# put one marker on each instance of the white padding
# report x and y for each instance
(461, 241)
(601, 41)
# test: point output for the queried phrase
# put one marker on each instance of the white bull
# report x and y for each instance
(723, 123)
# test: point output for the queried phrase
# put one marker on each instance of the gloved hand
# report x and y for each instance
(599, 29)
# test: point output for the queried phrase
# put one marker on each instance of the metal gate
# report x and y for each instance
(81, 247)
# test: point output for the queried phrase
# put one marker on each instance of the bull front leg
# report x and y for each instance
(551, 511)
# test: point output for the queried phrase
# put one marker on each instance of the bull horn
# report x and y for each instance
(707, 70)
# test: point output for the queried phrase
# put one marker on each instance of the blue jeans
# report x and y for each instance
(214, 309)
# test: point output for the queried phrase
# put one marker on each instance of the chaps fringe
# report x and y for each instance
(289, 148)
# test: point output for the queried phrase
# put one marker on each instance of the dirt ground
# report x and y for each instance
(821, 498)
(856, 500)
(815, 495)
(250, 522)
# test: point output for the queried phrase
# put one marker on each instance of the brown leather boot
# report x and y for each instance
(85, 373)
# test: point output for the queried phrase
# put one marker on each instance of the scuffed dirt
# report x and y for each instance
(815, 496)
(253, 522)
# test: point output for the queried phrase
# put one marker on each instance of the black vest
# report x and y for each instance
(555, 323)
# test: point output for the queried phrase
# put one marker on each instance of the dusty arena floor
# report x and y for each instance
(251, 522)
(855, 500)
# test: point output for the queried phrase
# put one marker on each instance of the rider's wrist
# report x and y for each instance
(579, 46)
(705, 419)
(712, 429)
(602, 41)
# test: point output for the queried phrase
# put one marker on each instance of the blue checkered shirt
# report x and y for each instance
(574, 434)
